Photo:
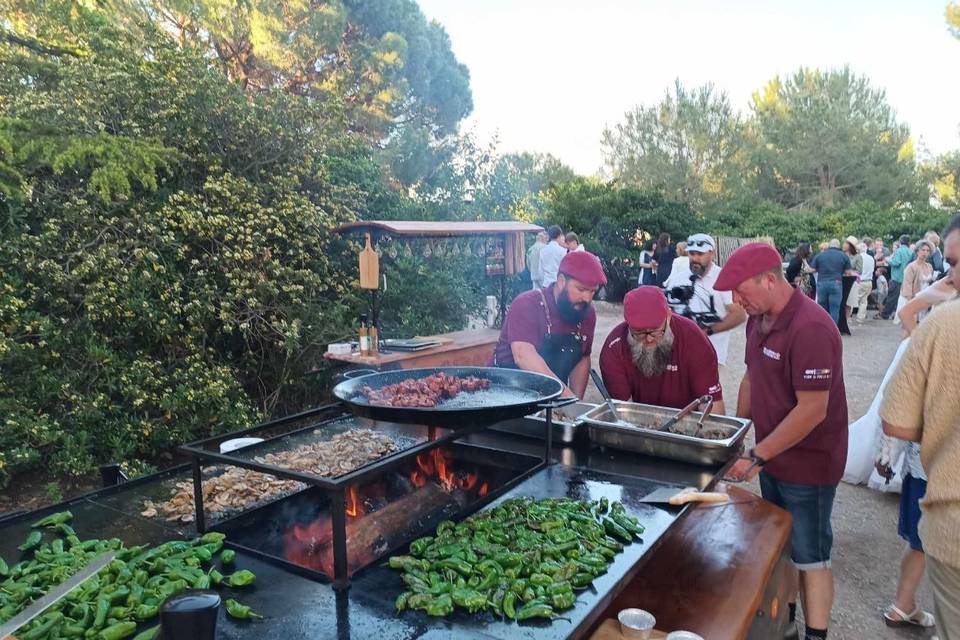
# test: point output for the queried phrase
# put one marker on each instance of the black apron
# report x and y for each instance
(562, 352)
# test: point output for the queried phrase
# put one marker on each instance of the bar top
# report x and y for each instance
(451, 342)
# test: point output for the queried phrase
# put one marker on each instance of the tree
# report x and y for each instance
(943, 177)
(825, 138)
(687, 145)
(382, 57)
(952, 15)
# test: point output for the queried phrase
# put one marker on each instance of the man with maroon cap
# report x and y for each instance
(550, 330)
(657, 357)
(793, 391)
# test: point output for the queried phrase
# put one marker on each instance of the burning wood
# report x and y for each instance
(311, 545)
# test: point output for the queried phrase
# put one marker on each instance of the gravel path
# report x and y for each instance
(866, 551)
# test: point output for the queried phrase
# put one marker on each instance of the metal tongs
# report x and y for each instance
(705, 399)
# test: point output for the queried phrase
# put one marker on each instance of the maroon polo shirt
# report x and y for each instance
(526, 321)
(802, 352)
(692, 371)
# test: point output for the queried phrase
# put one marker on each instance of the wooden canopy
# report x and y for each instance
(423, 229)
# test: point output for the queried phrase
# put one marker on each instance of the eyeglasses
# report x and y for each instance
(698, 244)
(643, 335)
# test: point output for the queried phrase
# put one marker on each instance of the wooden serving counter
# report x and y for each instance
(721, 573)
(470, 348)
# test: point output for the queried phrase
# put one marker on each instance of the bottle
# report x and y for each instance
(364, 336)
(374, 339)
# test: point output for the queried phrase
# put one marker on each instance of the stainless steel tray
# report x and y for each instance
(564, 431)
(676, 446)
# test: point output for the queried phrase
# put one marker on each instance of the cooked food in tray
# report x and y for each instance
(237, 489)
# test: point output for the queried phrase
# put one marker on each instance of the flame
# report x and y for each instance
(444, 473)
(468, 481)
(483, 490)
(425, 462)
(310, 545)
(418, 478)
(354, 506)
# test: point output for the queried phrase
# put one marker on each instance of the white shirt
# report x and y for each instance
(869, 265)
(702, 294)
(550, 257)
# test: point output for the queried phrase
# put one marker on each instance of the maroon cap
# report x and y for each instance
(645, 308)
(583, 266)
(747, 261)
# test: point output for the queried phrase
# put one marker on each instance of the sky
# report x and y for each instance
(548, 75)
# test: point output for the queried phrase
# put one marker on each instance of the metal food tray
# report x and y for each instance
(565, 431)
(675, 446)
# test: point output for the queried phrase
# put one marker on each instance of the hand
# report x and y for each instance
(885, 471)
(743, 470)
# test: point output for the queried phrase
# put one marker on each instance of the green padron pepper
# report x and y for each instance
(509, 602)
(401, 602)
(53, 520)
(149, 634)
(535, 609)
(440, 606)
(242, 578)
(32, 541)
(4, 569)
(44, 628)
(117, 631)
(240, 611)
(227, 556)
(213, 536)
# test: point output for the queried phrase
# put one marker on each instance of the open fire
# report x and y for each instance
(378, 511)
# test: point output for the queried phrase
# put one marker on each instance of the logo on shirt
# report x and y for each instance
(770, 353)
(672, 367)
(714, 389)
(816, 374)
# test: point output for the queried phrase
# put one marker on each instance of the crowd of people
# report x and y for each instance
(850, 278)
(674, 338)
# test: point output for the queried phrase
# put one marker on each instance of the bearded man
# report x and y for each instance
(657, 357)
(550, 330)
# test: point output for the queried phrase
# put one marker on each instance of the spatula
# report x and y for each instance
(677, 496)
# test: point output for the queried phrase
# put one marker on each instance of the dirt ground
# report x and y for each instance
(866, 551)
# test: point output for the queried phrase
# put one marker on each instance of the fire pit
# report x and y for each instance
(381, 514)
(348, 515)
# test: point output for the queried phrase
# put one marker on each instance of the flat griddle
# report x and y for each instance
(513, 393)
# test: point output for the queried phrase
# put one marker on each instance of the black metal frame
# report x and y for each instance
(335, 488)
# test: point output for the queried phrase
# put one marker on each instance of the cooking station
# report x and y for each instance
(319, 549)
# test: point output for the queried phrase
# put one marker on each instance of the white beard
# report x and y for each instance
(651, 361)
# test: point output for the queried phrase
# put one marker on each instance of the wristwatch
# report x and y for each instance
(709, 331)
(757, 460)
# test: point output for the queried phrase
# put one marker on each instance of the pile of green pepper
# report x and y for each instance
(124, 595)
(523, 559)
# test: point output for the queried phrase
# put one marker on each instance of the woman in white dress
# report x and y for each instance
(866, 437)
(865, 433)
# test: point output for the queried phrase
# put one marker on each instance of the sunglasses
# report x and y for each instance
(699, 244)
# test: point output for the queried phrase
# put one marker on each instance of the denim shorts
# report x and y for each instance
(810, 505)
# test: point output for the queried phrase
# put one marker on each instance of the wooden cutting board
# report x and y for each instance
(610, 630)
(369, 267)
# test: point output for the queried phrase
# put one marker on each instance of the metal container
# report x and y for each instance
(646, 439)
(565, 431)
(636, 623)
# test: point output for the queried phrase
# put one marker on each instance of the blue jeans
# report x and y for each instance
(811, 538)
(829, 296)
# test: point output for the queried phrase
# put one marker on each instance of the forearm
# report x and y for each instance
(902, 433)
(795, 427)
(529, 360)
(732, 320)
(579, 376)
(743, 398)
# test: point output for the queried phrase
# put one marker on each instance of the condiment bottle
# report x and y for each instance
(374, 339)
(364, 336)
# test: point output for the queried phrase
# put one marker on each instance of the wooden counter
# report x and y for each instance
(720, 573)
(471, 348)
